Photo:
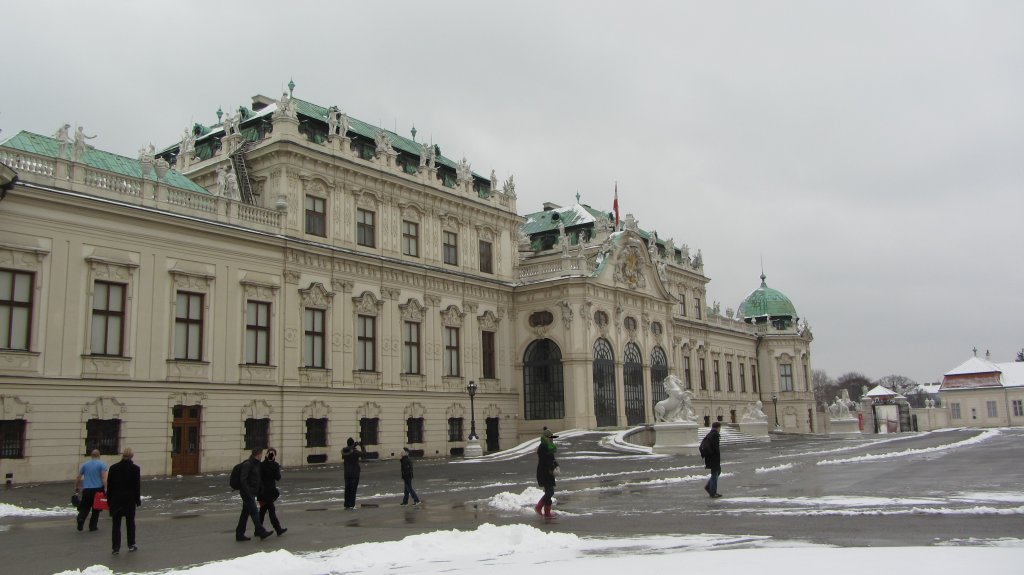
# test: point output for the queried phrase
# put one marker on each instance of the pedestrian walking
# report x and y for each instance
(547, 469)
(406, 464)
(270, 474)
(709, 450)
(350, 455)
(124, 495)
(248, 488)
(92, 479)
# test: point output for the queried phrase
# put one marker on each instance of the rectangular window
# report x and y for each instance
(703, 375)
(992, 411)
(686, 372)
(753, 377)
(366, 344)
(807, 378)
(368, 428)
(728, 376)
(786, 376)
(15, 309)
(743, 377)
(257, 333)
(102, 434)
(316, 432)
(316, 216)
(1018, 408)
(313, 345)
(107, 319)
(188, 327)
(954, 410)
(487, 353)
(486, 259)
(718, 379)
(451, 351)
(365, 229)
(12, 439)
(257, 433)
(414, 430)
(411, 239)
(411, 348)
(454, 429)
(450, 245)
(696, 308)
(682, 305)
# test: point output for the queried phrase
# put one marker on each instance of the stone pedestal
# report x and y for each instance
(755, 429)
(843, 427)
(473, 448)
(678, 438)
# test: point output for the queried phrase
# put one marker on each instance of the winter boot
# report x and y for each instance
(547, 511)
(539, 507)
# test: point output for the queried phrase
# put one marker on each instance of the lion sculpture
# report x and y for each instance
(679, 404)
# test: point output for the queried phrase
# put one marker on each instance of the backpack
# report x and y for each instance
(702, 449)
(235, 480)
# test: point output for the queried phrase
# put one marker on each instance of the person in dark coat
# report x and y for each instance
(250, 487)
(124, 494)
(270, 474)
(350, 455)
(546, 466)
(406, 464)
(709, 450)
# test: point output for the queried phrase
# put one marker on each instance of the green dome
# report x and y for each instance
(764, 301)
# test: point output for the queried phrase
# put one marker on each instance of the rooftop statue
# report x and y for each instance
(494, 181)
(285, 108)
(383, 143)
(427, 155)
(462, 171)
(62, 138)
(754, 412)
(510, 186)
(678, 407)
(231, 185)
(78, 152)
(332, 120)
(222, 181)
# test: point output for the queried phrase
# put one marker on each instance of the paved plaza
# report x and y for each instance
(946, 487)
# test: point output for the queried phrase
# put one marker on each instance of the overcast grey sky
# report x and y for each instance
(871, 152)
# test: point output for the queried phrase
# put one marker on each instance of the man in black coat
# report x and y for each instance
(124, 494)
(406, 467)
(350, 455)
(709, 450)
(270, 474)
(248, 490)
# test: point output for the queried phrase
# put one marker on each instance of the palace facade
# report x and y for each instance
(291, 276)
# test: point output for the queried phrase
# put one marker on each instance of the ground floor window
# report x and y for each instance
(414, 430)
(1018, 408)
(954, 410)
(103, 434)
(454, 429)
(316, 432)
(257, 433)
(12, 438)
(368, 431)
(993, 411)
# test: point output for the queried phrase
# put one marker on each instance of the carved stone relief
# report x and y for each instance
(411, 310)
(316, 296)
(452, 317)
(367, 304)
(103, 408)
(12, 407)
(256, 409)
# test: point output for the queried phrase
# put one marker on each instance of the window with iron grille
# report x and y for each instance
(12, 439)
(313, 343)
(411, 348)
(368, 427)
(366, 345)
(316, 216)
(659, 371)
(703, 376)
(107, 331)
(451, 351)
(686, 372)
(543, 386)
(718, 380)
(954, 410)
(316, 432)
(487, 354)
(257, 433)
(103, 434)
(414, 430)
(15, 309)
(365, 228)
(411, 239)
(450, 245)
(454, 429)
(786, 376)
(188, 327)
(257, 333)
(486, 257)
(728, 376)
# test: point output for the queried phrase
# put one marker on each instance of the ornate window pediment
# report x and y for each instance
(367, 304)
(367, 199)
(414, 410)
(256, 409)
(103, 408)
(412, 310)
(316, 410)
(411, 212)
(316, 296)
(488, 321)
(486, 233)
(369, 410)
(452, 317)
(22, 258)
(12, 407)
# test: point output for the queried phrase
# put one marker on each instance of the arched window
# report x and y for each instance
(543, 387)
(604, 383)
(659, 371)
(633, 383)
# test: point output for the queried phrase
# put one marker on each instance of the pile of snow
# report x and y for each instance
(906, 452)
(782, 467)
(515, 502)
(8, 510)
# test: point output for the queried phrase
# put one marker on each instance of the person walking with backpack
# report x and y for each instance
(709, 450)
(91, 479)
(270, 474)
(547, 468)
(350, 455)
(124, 495)
(406, 465)
(248, 487)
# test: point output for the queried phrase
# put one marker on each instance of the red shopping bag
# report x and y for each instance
(100, 501)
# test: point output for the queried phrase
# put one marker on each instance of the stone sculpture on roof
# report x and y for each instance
(678, 406)
(80, 146)
(332, 120)
(510, 186)
(383, 143)
(494, 181)
(231, 185)
(285, 107)
(462, 171)
(62, 138)
(427, 155)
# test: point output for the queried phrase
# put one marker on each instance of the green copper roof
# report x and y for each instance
(46, 146)
(575, 215)
(765, 301)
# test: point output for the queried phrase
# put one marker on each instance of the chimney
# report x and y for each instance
(988, 355)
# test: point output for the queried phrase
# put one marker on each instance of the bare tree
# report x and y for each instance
(1020, 354)
(824, 387)
(900, 384)
(853, 383)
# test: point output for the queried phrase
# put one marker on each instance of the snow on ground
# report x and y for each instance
(8, 510)
(975, 503)
(783, 467)
(989, 434)
(515, 549)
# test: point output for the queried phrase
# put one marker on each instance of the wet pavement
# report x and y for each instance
(945, 487)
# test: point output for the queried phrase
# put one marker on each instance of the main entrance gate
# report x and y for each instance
(633, 382)
(604, 384)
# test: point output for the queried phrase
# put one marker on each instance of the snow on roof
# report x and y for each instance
(1013, 373)
(880, 391)
(930, 387)
(974, 365)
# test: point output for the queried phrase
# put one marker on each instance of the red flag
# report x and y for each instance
(615, 206)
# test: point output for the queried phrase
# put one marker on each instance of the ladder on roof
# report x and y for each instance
(242, 172)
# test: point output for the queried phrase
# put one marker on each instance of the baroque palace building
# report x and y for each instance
(291, 276)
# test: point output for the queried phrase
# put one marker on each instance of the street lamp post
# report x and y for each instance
(775, 404)
(473, 448)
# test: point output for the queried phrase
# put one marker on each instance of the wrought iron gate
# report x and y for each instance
(604, 384)
(633, 382)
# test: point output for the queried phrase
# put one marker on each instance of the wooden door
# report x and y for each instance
(185, 439)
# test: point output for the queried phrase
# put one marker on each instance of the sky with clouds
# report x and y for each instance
(872, 153)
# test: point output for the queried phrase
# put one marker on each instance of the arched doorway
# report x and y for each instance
(543, 387)
(604, 383)
(659, 371)
(633, 383)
